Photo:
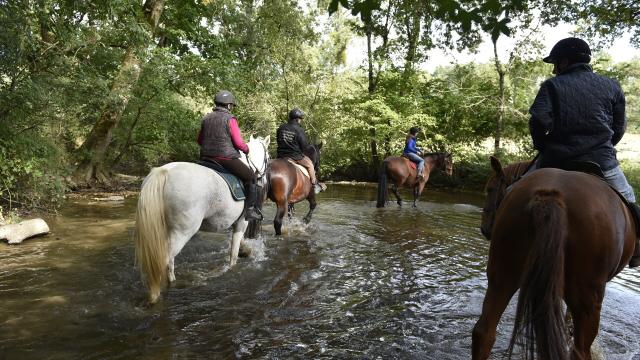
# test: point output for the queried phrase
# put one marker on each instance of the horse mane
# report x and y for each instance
(434, 154)
(514, 171)
(440, 157)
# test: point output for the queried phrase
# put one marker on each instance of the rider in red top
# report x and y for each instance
(221, 142)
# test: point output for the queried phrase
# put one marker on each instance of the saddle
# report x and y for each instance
(412, 165)
(235, 184)
(304, 170)
(594, 169)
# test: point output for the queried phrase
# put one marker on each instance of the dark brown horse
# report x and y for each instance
(287, 185)
(401, 172)
(555, 235)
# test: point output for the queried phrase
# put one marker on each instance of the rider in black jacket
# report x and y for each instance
(292, 142)
(579, 115)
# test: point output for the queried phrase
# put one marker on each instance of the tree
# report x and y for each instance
(94, 149)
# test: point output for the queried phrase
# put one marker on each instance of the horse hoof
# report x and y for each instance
(244, 251)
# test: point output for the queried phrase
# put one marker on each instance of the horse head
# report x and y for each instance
(313, 152)
(496, 189)
(258, 156)
(448, 163)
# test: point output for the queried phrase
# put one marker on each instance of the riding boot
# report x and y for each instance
(251, 212)
(635, 258)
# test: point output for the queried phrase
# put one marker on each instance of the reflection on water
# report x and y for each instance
(358, 282)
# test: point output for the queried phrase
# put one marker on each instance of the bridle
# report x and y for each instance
(260, 171)
(501, 188)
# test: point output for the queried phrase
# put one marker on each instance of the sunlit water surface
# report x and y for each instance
(358, 282)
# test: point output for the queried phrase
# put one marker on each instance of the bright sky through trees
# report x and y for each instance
(620, 50)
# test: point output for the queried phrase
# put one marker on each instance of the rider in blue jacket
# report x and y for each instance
(412, 151)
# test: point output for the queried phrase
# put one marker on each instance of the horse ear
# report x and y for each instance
(319, 145)
(267, 140)
(251, 137)
(496, 166)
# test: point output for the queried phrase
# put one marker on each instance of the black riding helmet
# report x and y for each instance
(414, 130)
(224, 97)
(573, 49)
(296, 113)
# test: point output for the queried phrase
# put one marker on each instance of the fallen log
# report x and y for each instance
(15, 233)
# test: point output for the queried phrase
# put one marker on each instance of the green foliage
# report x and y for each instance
(31, 176)
(59, 59)
(632, 173)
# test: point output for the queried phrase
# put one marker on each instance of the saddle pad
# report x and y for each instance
(300, 167)
(413, 165)
(235, 185)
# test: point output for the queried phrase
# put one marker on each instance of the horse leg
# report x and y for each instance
(484, 332)
(277, 221)
(177, 240)
(290, 211)
(172, 276)
(417, 191)
(312, 206)
(394, 188)
(585, 308)
(236, 237)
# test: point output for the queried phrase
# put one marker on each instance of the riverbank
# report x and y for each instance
(469, 177)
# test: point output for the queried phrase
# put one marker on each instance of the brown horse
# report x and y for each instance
(555, 235)
(287, 185)
(399, 169)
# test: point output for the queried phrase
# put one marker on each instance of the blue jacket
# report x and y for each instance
(578, 115)
(410, 145)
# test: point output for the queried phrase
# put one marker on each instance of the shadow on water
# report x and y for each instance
(358, 282)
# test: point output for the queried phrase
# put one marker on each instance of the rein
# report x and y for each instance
(260, 171)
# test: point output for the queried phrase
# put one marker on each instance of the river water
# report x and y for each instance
(357, 283)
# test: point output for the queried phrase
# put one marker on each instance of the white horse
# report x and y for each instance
(177, 200)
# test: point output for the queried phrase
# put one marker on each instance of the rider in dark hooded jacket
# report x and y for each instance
(579, 115)
(292, 143)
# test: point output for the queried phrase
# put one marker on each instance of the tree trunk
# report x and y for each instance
(375, 158)
(95, 148)
(501, 96)
(372, 81)
(413, 25)
(92, 166)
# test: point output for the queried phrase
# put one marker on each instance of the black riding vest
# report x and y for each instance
(216, 135)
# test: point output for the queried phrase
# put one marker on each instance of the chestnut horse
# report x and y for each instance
(287, 185)
(402, 173)
(555, 235)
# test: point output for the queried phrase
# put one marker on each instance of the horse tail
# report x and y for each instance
(254, 225)
(539, 317)
(382, 185)
(152, 246)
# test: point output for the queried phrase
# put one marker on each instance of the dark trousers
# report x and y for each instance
(239, 169)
